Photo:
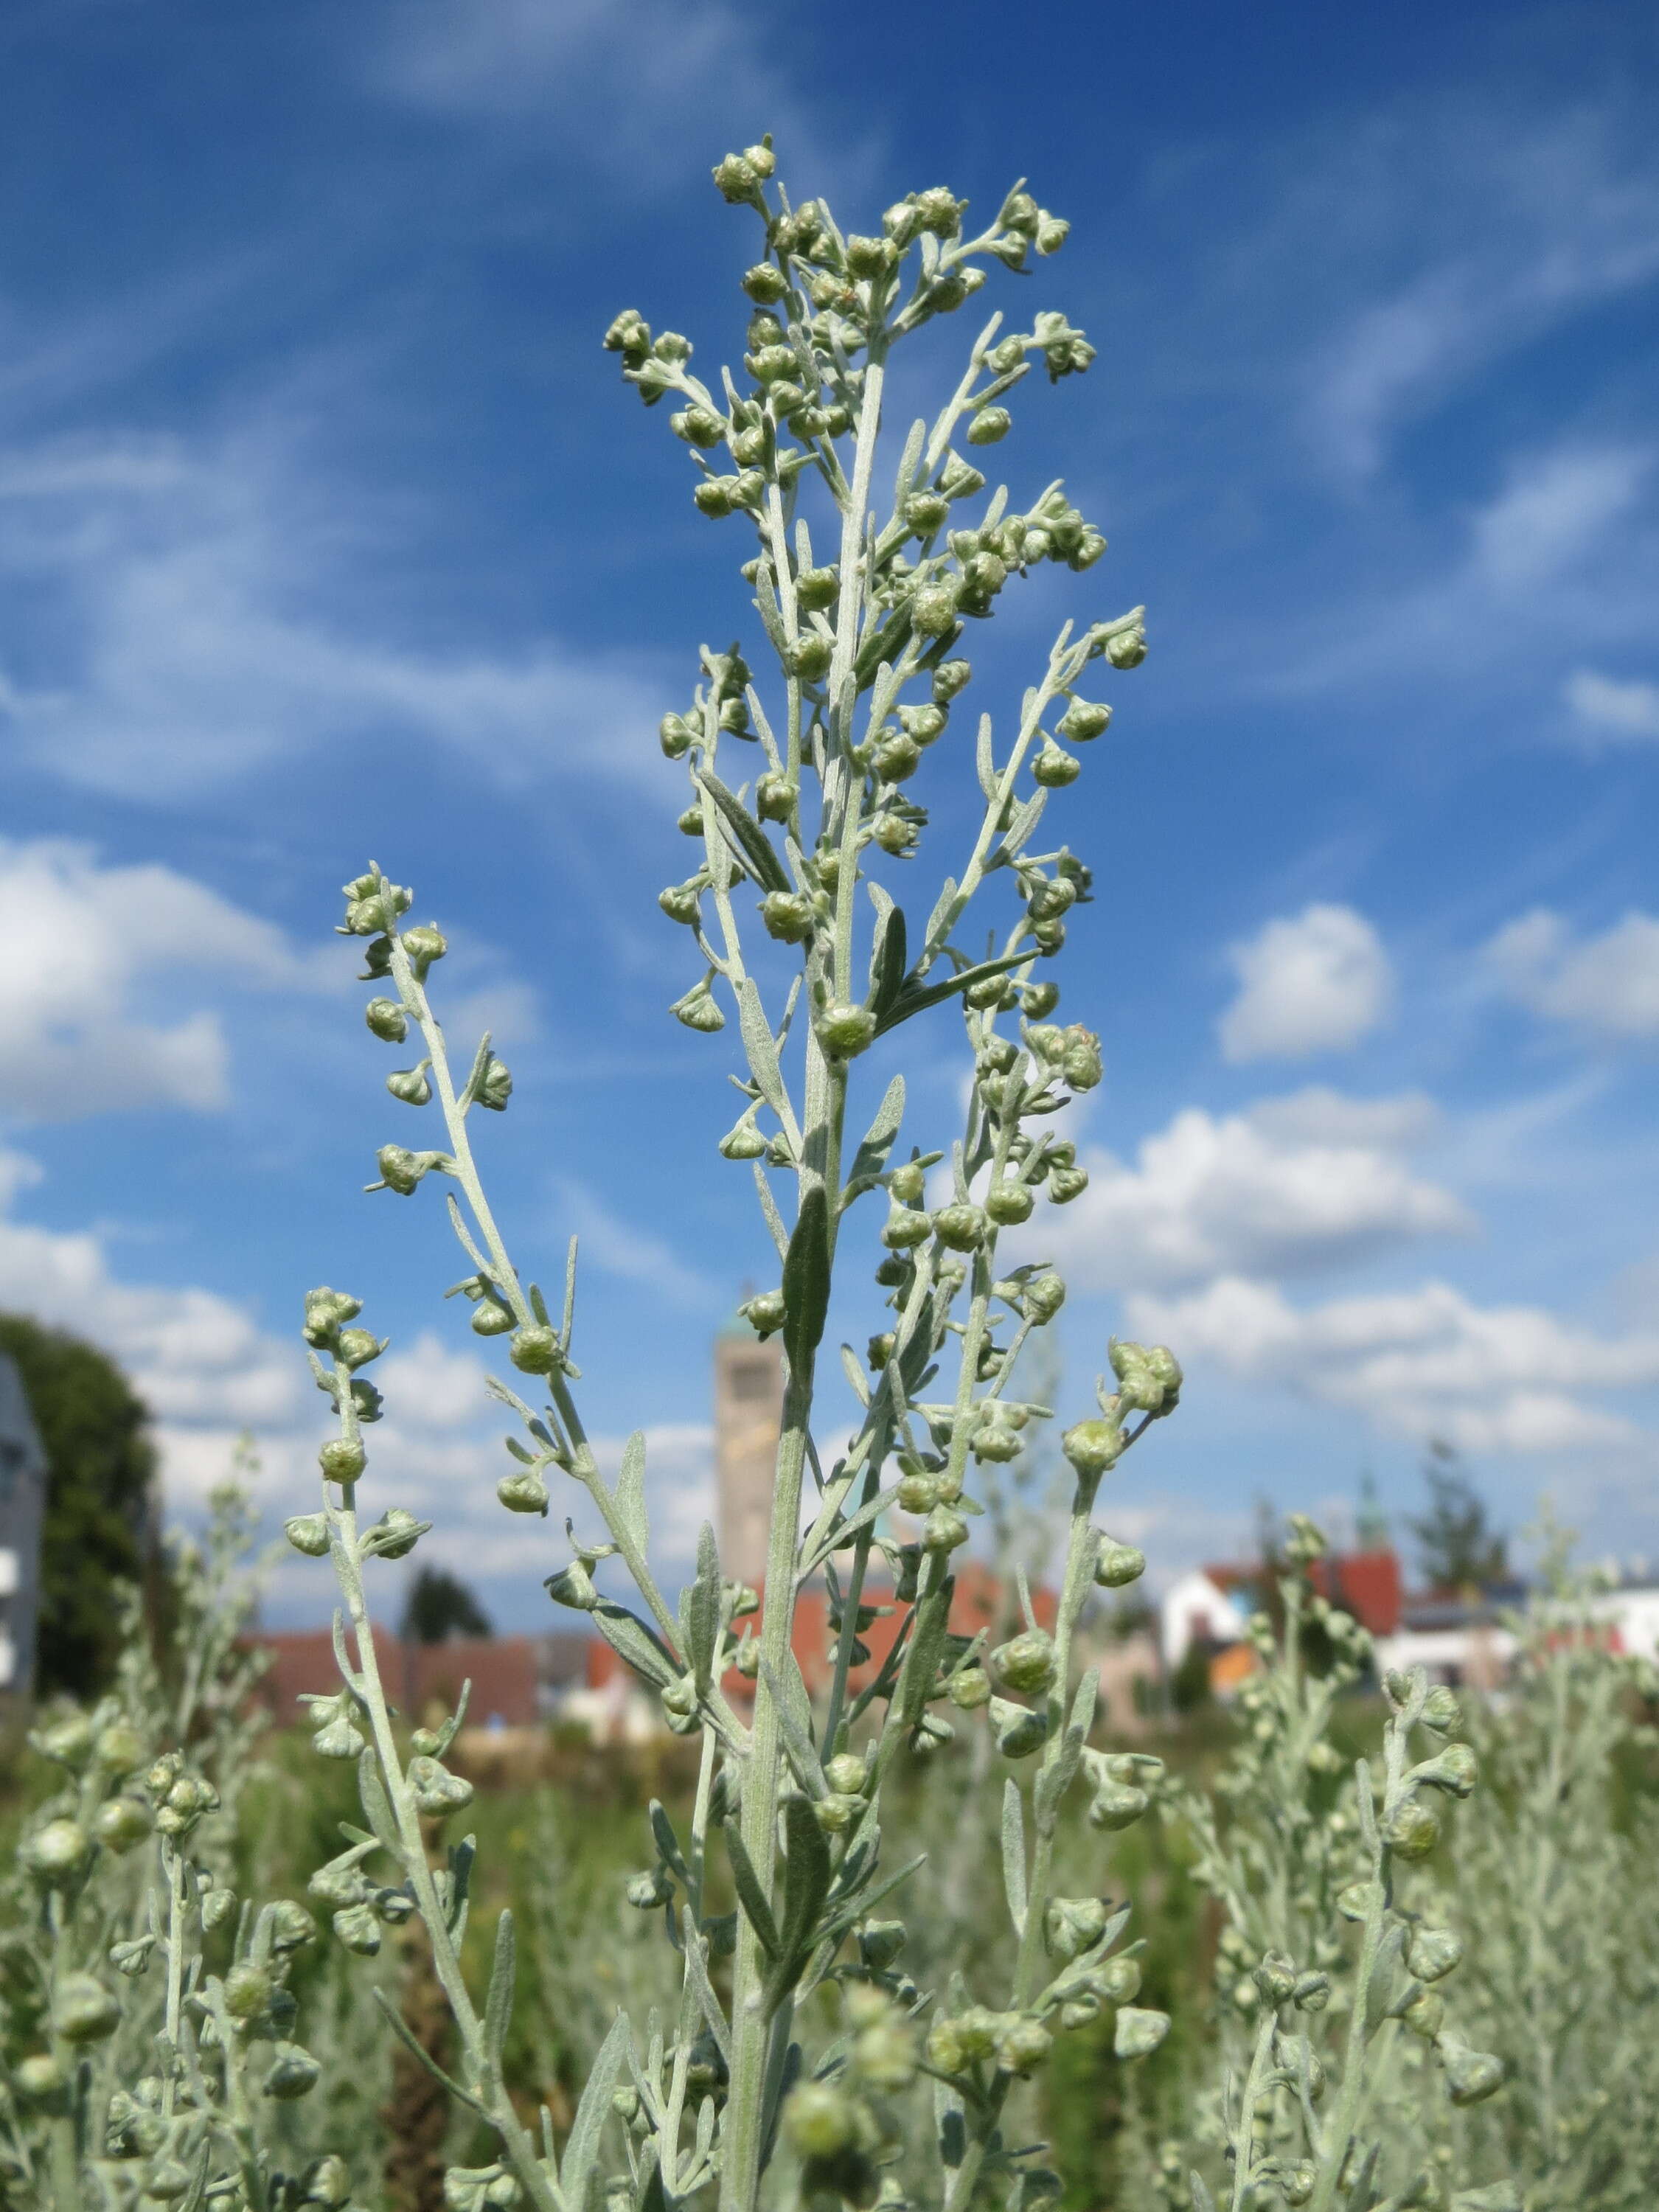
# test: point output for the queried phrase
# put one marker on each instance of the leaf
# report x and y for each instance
(702, 1621)
(806, 1885)
(404, 2034)
(629, 1493)
(498, 2003)
(1023, 821)
(753, 846)
(843, 1531)
(377, 1810)
(783, 2069)
(1202, 2200)
(856, 1380)
(985, 759)
(1056, 1777)
(942, 906)
(667, 1843)
(795, 1713)
(910, 462)
(696, 1966)
(887, 956)
(628, 1636)
(769, 1206)
(915, 999)
(932, 1620)
(1013, 1854)
(581, 2151)
(871, 1158)
(760, 1045)
(807, 1281)
(750, 1895)
(461, 1857)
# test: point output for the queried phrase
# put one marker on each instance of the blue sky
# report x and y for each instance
(326, 531)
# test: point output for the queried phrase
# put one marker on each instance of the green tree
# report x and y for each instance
(99, 1528)
(440, 1606)
(1457, 1546)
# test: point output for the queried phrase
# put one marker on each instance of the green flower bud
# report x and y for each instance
(119, 1749)
(837, 1812)
(1083, 720)
(698, 426)
(1138, 2034)
(67, 1742)
(327, 2182)
(326, 1312)
(774, 796)
(995, 1439)
(358, 1929)
(1119, 1565)
(491, 1318)
(573, 1586)
(809, 656)
(291, 1926)
(924, 724)
(676, 735)
(682, 902)
(989, 426)
(924, 513)
(83, 2010)
(845, 1031)
(56, 1853)
(424, 944)
(816, 589)
(342, 1459)
(1455, 1771)
(820, 2121)
(737, 181)
(1356, 1901)
(1129, 648)
(1425, 2016)
(968, 1688)
(308, 1533)
(438, 1792)
(1440, 1710)
(1413, 1830)
(293, 2073)
(933, 610)
(1118, 1980)
(535, 1349)
(1067, 1183)
(1117, 1805)
(338, 1739)
(121, 1824)
(897, 757)
(1297, 2187)
(39, 2077)
(905, 1227)
(1026, 1663)
(524, 1491)
(400, 1169)
(698, 1010)
(355, 1347)
(1072, 1925)
(1471, 2076)
(943, 1530)
(167, 2180)
(1008, 1203)
(1080, 1064)
(787, 916)
(1023, 2044)
(764, 1312)
(630, 333)
(410, 1084)
(1094, 1447)
(248, 1991)
(765, 284)
(1432, 1952)
(1311, 1992)
(960, 1226)
(394, 1536)
(1018, 1730)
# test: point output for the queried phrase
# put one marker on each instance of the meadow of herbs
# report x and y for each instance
(934, 1938)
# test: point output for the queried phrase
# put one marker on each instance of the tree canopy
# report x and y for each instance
(1457, 1546)
(440, 1606)
(99, 1536)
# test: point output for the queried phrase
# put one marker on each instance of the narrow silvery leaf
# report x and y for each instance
(910, 462)
(667, 1843)
(498, 2003)
(629, 1496)
(703, 1611)
(854, 1374)
(758, 1044)
(696, 1966)
(985, 758)
(629, 1638)
(577, 2174)
(794, 1714)
(751, 1896)
(806, 1281)
(1023, 821)
(871, 1158)
(1013, 1854)
(749, 841)
(769, 1206)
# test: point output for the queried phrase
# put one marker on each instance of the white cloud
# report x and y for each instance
(1615, 710)
(195, 619)
(638, 1255)
(1296, 1183)
(1516, 228)
(1608, 985)
(1418, 1362)
(1318, 982)
(193, 1357)
(1555, 508)
(83, 942)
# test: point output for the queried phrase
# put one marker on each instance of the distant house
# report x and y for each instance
(516, 1680)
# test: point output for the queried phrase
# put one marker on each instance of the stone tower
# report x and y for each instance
(747, 1418)
(22, 1506)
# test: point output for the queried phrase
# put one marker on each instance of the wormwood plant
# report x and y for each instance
(1328, 2099)
(150, 2038)
(805, 819)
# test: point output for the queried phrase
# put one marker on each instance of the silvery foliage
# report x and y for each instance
(152, 2047)
(1343, 2060)
(790, 846)
(1555, 1882)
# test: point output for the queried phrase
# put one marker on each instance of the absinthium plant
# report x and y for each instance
(868, 632)
(1328, 2101)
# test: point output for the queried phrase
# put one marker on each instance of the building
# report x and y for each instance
(22, 1511)
(517, 1680)
(1211, 1606)
(748, 1420)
